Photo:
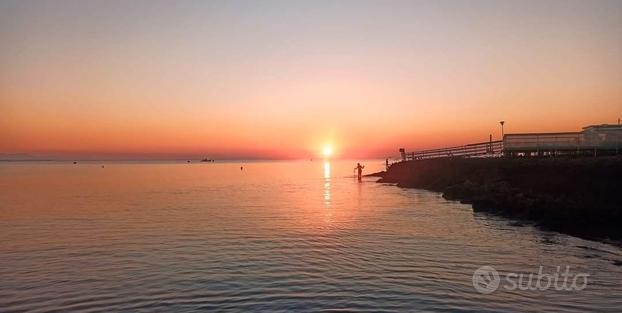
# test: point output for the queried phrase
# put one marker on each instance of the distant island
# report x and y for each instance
(14, 157)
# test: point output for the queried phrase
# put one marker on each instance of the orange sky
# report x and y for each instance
(281, 79)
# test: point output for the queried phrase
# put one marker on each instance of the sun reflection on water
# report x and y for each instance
(326, 183)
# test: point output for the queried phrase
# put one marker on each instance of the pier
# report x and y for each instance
(593, 140)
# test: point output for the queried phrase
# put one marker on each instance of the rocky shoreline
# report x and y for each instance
(578, 196)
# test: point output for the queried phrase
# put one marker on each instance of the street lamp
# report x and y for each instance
(502, 122)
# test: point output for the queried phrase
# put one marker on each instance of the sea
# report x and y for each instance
(276, 236)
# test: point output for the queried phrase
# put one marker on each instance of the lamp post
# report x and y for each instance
(502, 122)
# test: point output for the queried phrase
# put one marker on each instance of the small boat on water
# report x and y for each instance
(207, 160)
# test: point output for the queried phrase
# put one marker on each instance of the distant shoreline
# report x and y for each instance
(577, 196)
(193, 160)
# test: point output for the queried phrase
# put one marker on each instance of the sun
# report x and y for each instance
(327, 151)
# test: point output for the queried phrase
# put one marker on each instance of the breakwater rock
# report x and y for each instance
(579, 196)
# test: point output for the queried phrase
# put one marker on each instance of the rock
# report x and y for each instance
(574, 195)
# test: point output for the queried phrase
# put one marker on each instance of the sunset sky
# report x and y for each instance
(282, 79)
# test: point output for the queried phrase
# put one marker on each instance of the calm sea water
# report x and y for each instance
(276, 236)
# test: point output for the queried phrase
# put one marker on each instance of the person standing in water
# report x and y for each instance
(359, 169)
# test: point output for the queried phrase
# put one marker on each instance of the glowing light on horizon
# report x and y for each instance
(327, 151)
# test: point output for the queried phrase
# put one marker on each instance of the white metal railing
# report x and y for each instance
(490, 148)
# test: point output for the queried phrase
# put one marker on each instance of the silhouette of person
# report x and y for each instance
(359, 168)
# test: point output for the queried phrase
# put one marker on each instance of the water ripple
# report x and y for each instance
(163, 237)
